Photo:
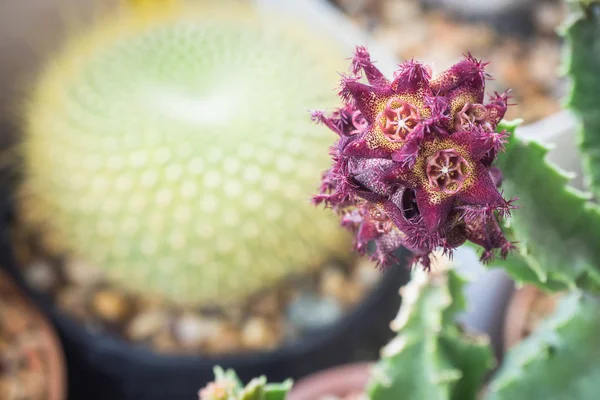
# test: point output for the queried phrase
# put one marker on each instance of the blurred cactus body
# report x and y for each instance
(171, 147)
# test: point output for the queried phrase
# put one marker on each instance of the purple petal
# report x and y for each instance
(434, 213)
(362, 61)
(482, 190)
(369, 100)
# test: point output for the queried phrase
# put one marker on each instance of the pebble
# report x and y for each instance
(110, 305)
(400, 11)
(309, 311)
(228, 341)
(405, 41)
(81, 273)
(73, 300)
(366, 273)
(164, 342)
(41, 276)
(544, 61)
(151, 303)
(548, 16)
(476, 38)
(353, 293)
(258, 335)
(333, 282)
(267, 305)
(192, 330)
(52, 245)
(146, 324)
(360, 8)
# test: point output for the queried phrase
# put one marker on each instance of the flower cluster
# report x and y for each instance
(413, 163)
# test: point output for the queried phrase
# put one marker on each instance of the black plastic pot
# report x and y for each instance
(104, 367)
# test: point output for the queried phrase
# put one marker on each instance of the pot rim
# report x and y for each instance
(307, 344)
(52, 347)
(340, 380)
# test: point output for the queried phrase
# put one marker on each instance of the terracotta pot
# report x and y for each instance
(527, 308)
(30, 337)
(338, 381)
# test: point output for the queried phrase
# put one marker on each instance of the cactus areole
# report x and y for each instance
(413, 165)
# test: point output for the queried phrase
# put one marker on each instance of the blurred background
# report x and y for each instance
(158, 338)
(518, 38)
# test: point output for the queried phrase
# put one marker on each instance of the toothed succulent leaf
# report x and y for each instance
(559, 234)
(412, 166)
(560, 358)
(431, 358)
(517, 267)
(582, 34)
(170, 148)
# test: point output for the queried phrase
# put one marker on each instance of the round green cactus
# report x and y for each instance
(173, 149)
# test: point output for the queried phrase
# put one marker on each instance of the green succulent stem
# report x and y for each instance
(582, 63)
(557, 227)
(560, 358)
(431, 357)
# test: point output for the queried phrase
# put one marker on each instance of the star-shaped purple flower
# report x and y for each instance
(413, 163)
